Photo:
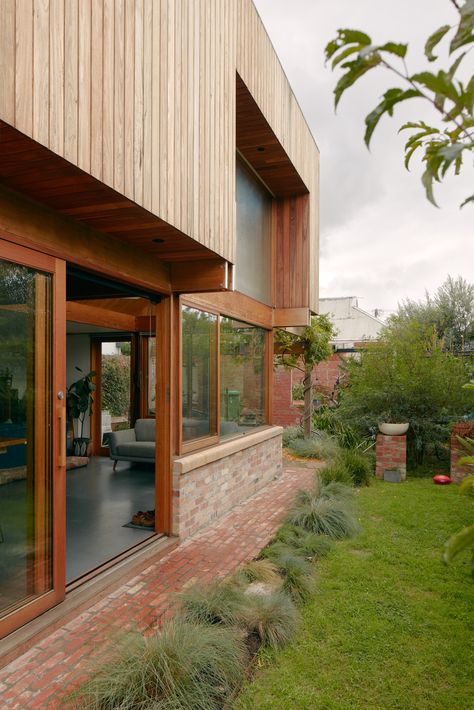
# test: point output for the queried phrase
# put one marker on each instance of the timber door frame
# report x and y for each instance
(57, 407)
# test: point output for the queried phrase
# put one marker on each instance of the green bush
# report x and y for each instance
(320, 446)
(290, 433)
(182, 666)
(329, 517)
(216, 603)
(335, 471)
(273, 617)
(304, 543)
(358, 465)
(116, 384)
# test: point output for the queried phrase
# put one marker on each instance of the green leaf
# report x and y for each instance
(346, 53)
(390, 99)
(409, 152)
(458, 542)
(467, 201)
(464, 33)
(398, 49)
(433, 40)
(344, 37)
(355, 70)
(427, 180)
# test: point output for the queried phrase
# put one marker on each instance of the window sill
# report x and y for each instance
(232, 445)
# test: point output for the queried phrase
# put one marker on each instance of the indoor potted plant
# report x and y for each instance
(79, 403)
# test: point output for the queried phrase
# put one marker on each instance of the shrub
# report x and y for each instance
(358, 465)
(259, 571)
(290, 433)
(320, 446)
(324, 516)
(116, 384)
(335, 471)
(304, 543)
(296, 572)
(334, 490)
(216, 603)
(273, 617)
(182, 666)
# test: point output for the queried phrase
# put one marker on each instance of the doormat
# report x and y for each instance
(139, 527)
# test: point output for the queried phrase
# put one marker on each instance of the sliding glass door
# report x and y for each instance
(32, 432)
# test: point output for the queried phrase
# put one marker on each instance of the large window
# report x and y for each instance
(242, 362)
(223, 377)
(199, 373)
(253, 264)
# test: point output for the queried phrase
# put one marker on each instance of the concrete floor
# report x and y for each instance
(99, 502)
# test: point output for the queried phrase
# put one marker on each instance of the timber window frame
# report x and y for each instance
(212, 439)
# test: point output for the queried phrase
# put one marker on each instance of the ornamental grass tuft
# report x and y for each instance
(330, 517)
(216, 603)
(273, 617)
(307, 544)
(297, 572)
(263, 571)
(359, 466)
(183, 666)
(319, 446)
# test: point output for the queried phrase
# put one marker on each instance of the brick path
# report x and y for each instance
(40, 677)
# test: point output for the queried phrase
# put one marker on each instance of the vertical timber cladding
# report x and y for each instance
(142, 96)
(138, 93)
(262, 73)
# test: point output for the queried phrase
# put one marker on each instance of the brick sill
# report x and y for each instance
(189, 462)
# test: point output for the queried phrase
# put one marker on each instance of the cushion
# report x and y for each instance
(145, 429)
(137, 449)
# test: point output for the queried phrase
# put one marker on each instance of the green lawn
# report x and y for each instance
(390, 626)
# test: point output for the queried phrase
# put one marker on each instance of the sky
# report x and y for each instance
(380, 239)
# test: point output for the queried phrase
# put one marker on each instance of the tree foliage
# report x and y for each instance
(442, 146)
(450, 311)
(407, 376)
(304, 352)
(116, 384)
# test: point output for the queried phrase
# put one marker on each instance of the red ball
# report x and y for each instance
(442, 480)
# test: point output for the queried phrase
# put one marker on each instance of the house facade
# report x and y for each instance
(158, 219)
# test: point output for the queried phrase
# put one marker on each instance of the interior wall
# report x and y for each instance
(78, 354)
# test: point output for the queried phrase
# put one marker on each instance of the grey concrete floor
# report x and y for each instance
(99, 502)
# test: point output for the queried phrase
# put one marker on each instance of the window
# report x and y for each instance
(242, 361)
(253, 264)
(223, 377)
(199, 373)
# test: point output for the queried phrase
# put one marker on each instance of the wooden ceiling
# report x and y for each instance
(32, 169)
(261, 148)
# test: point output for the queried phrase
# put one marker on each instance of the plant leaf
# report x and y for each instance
(355, 70)
(427, 180)
(390, 99)
(464, 33)
(396, 48)
(466, 201)
(433, 40)
(458, 542)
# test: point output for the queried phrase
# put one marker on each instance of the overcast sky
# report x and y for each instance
(380, 238)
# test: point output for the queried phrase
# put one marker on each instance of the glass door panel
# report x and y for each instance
(115, 390)
(26, 470)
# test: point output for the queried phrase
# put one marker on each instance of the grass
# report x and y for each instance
(389, 626)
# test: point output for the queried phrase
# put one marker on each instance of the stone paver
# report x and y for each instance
(39, 678)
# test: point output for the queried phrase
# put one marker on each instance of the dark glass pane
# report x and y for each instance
(25, 435)
(242, 360)
(199, 380)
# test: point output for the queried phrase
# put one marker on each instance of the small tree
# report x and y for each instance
(303, 352)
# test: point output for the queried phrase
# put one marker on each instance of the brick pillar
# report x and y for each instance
(461, 429)
(390, 452)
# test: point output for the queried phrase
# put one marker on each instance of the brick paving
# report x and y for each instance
(39, 678)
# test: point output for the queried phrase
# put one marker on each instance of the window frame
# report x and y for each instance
(204, 442)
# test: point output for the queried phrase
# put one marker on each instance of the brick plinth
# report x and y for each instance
(204, 490)
(391, 452)
(462, 429)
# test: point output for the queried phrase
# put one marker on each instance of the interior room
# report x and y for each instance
(110, 353)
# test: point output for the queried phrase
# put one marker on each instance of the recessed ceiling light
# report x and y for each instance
(158, 241)
(261, 149)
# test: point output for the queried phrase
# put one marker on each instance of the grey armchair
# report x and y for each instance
(137, 444)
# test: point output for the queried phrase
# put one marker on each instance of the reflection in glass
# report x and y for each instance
(151, 376)
(199, 373)
(242, 363)
(25, 431)
(116, 405)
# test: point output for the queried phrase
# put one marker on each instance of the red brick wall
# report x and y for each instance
(461, 429)
(327, 373)
(285, 412)
(390, 452)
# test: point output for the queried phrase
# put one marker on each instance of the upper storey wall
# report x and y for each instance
(141, 95)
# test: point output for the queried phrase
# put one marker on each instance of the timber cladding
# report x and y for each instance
(141, 94)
